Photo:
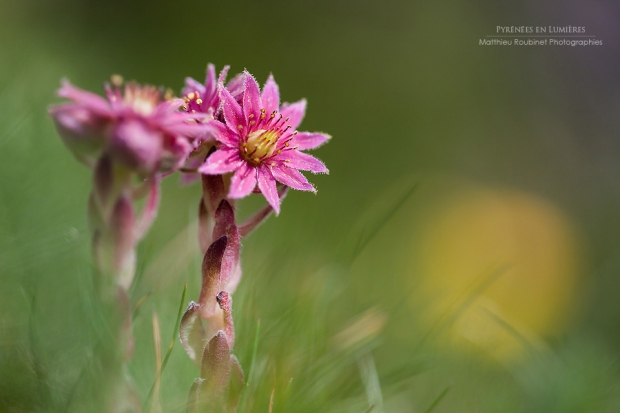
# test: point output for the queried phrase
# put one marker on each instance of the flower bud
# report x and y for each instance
(82, 131)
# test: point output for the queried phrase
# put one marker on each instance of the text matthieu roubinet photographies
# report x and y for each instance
(540, 36)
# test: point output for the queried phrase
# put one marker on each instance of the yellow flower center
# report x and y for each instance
(260, 145)
(142, 99)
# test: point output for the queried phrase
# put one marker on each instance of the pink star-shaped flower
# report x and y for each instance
(260, 144)
(134, 125)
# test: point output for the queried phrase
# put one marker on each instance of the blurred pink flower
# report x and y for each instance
(260, 145)
(134, 126)
(205, 98)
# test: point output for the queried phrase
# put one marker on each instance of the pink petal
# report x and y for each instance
(89, 100)
(243, 181)
(210, 88)
(295, 112)
(83, 131)
(292, 177)
(223, 134)
(267, 185)
(222, 161)
(167, 108)
(271, 95)
(190, 130)
(251, 97)
(303, 161)
(309, 140)
(192, 85)
(136, 145)
(223, 74)
(233, 114)
(176, 150)
(235, 87)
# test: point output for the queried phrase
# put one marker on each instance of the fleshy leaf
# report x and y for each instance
(225, 302)
(237, 384)
(193, 400)
(211, 265)
(225, 225)
(149, 211)
(215, 371)
(191, 332)
(122, 228)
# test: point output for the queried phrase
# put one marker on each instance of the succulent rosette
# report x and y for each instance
(134, 125)
(259, 142)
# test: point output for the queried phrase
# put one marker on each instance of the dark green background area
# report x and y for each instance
(407, 94)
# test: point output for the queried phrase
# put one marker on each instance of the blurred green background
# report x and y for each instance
(463, 252)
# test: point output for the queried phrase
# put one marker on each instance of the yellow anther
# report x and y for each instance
(250, 116)
(262, 110)
(252, 122)
(199, 101)
(116, 80)
(262, 116)
(279, 152)
(286, 144)
(191, 96)
(240, 127)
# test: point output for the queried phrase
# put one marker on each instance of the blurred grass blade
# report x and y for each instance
(438, 399)
(157, 341)
(463, 302)
(147, 403)
(252, 364)
(371, 229)
(368, 370)
(273, 393)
